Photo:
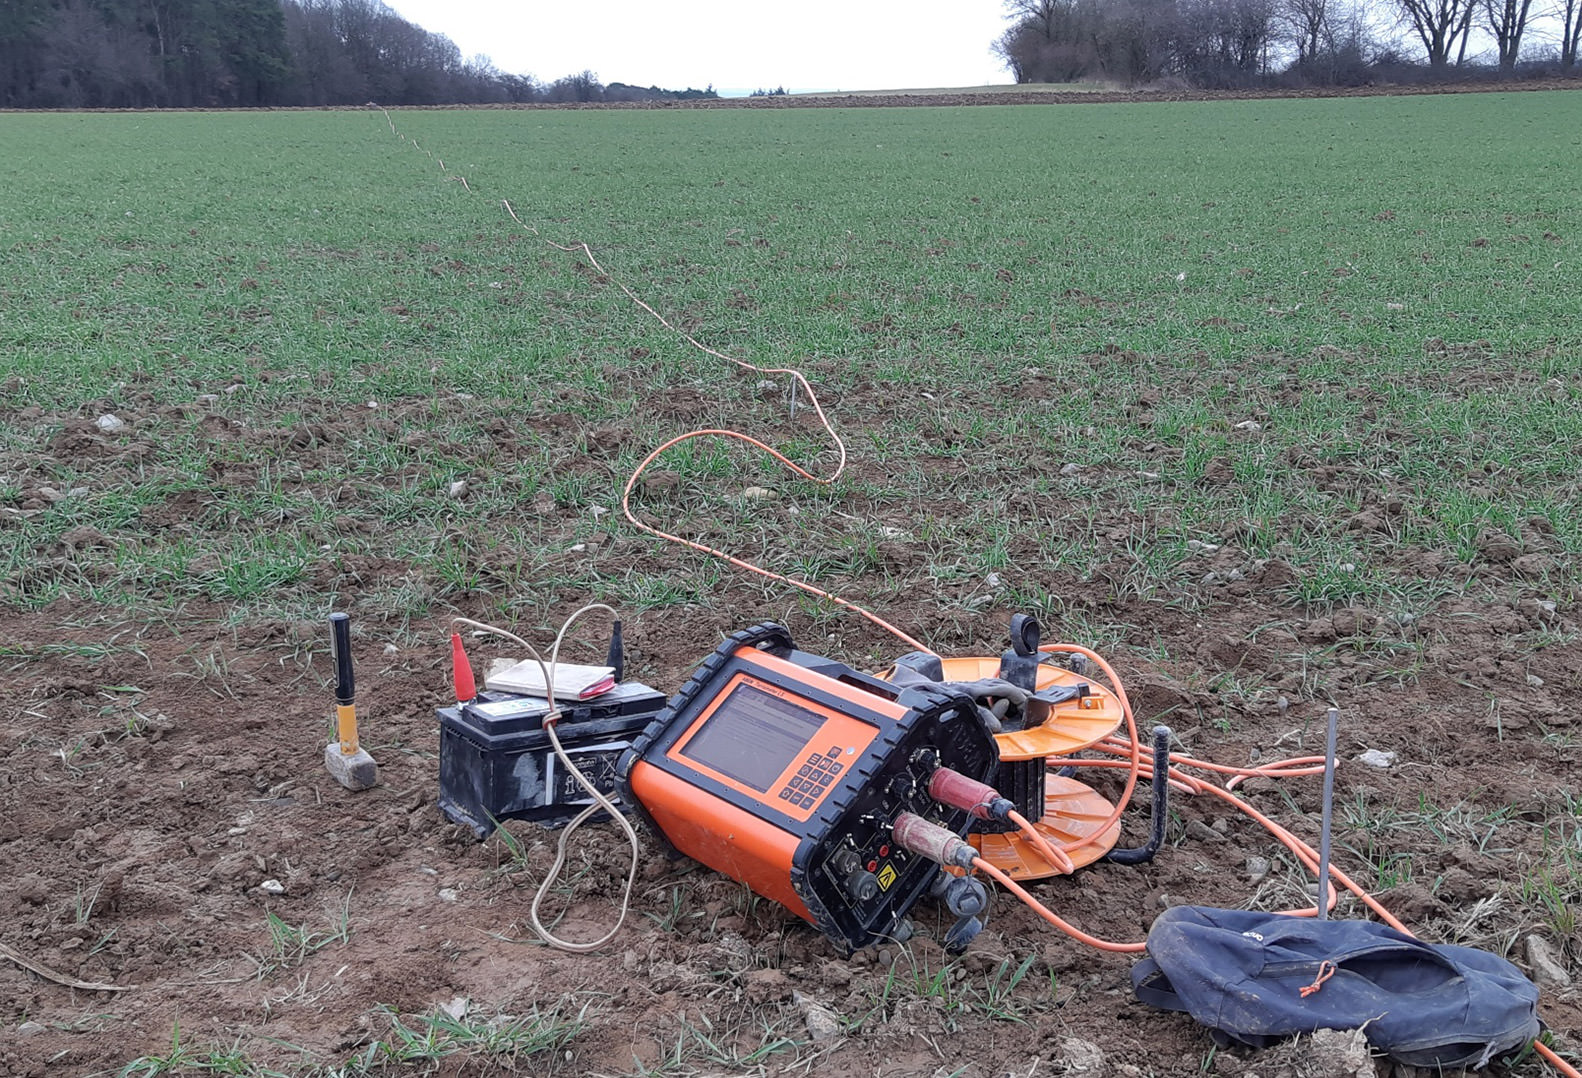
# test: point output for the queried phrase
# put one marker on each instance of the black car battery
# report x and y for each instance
(496, 762)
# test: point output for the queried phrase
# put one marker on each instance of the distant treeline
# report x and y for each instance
(241, 53)
(1222, 44)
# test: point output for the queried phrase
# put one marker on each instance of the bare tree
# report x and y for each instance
(1507, 21)
(1442, 26)
(1308, 23)
(1570, 13)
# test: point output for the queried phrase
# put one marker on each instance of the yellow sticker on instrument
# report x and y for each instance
(886, 876)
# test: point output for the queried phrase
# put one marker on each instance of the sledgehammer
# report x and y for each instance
(352, 767)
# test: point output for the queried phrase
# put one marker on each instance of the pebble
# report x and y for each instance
(447, 894)
(272, 887)
(1378, 758)
(1069, 470)
(1250, 425)
(822, 1023)
(1535, 681)
(1257, 869)
(1199, 830)
(110, 423)
(390, 649)
(456, 1008)
(1282, 705)
(458, 488)
(1198, 546)
(1082, 1057)
(758, 494)
(29, 1028)
(1545, 964)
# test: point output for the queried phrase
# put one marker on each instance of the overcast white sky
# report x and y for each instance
(736, 45)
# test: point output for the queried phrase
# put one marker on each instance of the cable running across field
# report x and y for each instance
(1137, 756)
(798, 381)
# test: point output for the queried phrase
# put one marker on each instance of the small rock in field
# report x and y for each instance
(110, 423)
(993, 580)
(456, 1008)
(1282, 705)
(1340, 1053)
(390, 649)
(208, 398)
(1203, 832)
(1546, 965)
(458, 488)
(577, 548)
(1082, 1057)
(234, 388)
(1069, 470)
(1210, 578)
(272, 887)
(1378, 758)
(886, 531)
(823, 1024)
(758, 494)
(1252, 426)
(49, 494)
(1198, 546)
(1235, 574)
(767, 384)
(27, 1029)
(1534, 681)
(373, 404)
(1257, 869)
(448, 894)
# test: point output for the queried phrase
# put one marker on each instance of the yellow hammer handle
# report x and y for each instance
(346, 728)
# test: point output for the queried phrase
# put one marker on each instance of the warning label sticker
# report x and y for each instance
(886, 876)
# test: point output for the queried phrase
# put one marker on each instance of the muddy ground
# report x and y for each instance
(154, 776)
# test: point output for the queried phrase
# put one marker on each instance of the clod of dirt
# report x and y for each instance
(82, 537)
(766, 985)
(1497, 547)
(1534, 564)
(659, 483)
(1546, 965)
(1158, 696)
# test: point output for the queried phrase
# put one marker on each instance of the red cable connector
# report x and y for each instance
(958, 791)
(932, 841)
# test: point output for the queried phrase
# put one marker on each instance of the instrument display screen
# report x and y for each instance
(752, 736)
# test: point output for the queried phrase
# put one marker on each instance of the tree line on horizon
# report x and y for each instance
(251, 53)
(1225, 44)
(255, 53)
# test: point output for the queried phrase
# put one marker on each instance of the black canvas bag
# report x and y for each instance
(1243, 975)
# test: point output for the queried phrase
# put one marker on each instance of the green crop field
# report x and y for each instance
(1408, 262)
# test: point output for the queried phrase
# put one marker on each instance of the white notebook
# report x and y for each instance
(571, 681)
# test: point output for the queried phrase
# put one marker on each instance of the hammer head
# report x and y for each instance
(355, 772)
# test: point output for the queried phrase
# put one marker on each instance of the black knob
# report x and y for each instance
(862, 886)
